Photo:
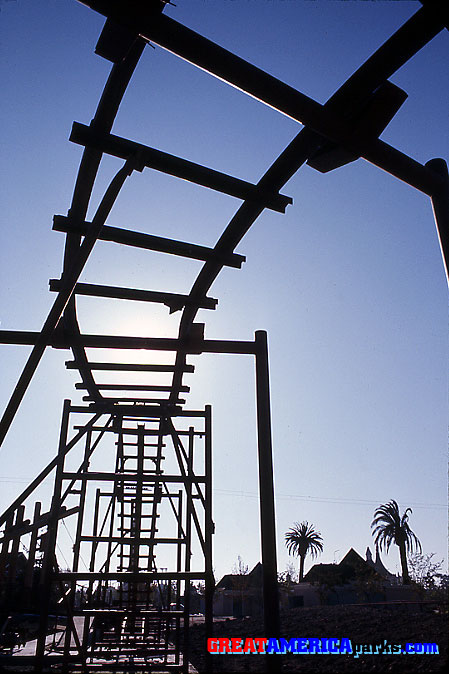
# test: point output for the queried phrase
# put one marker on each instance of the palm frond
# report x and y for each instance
(303, 539)
(389, 527)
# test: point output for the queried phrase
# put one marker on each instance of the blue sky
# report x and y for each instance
(349, 283)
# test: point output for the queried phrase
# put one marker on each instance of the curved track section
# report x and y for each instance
(367, 88)
(345, 128)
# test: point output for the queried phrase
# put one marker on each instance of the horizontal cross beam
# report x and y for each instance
(174, 301)
(210, 57)
(128, 367)
(130, 541)
(131, 576)
(135, 431)
(195, 346)
(234, 70)
(145, 401)
(27, 526)
(149, 242)
(131, 387)
(130, 477)
(176, 166)
(132, 411)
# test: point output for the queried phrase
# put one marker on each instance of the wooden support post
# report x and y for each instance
(114, 497)
(29, 572)
(156, 495)
(209, 526)
(179, 568)
(5, 545)
(266, 496)
(93, 551)
(14, 554)
(87, 619)
(50, 542)
(4, 555)
(77, 544)
(189, 513)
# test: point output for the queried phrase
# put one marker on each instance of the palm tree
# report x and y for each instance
(389, 527)
(301, 540)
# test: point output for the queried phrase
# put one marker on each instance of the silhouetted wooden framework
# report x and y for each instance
(126, 505)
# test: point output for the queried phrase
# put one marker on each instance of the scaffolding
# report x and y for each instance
(124, 609)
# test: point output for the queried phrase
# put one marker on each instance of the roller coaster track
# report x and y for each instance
(347, 127)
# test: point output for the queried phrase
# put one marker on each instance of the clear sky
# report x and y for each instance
(349, 283)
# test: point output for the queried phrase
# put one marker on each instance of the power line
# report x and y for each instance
(296, 497)
(323, 499)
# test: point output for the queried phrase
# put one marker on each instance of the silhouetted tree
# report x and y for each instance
(425, 572)
(390, 527)
(239, 568)
(240, 582)
(301, 540)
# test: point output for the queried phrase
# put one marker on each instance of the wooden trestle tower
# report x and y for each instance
(133, 474)
(129, 612)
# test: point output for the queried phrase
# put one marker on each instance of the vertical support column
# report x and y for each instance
(136, 526)
(13, 590)
(266, 494)
(50, 542)
(93, 551)
(77, 544)
(4, 556)
(209, 525)
(14, 554)
(120, 468)
(29, 571)
(179, 546)
(88, 622)
(157, 491)
(114, 501)
(186, 653)
(5, 545)
(82, 502)
(178, 569)
(440, 203)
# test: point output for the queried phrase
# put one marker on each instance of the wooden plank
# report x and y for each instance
(195, 346)
(127, 577)
(131, 387)
(161, 401)
(178, 167)
(174, 301)
(130, 541)
(159, 244)
(131, 477)
(129, 367)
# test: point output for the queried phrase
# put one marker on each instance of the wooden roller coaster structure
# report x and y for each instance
(132, 614)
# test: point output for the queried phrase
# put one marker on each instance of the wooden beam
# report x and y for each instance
(174, 301)
(129, 367)
(159, 244)
(131, 387)
(176, 166)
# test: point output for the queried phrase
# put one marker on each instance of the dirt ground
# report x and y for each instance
(397, 624)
